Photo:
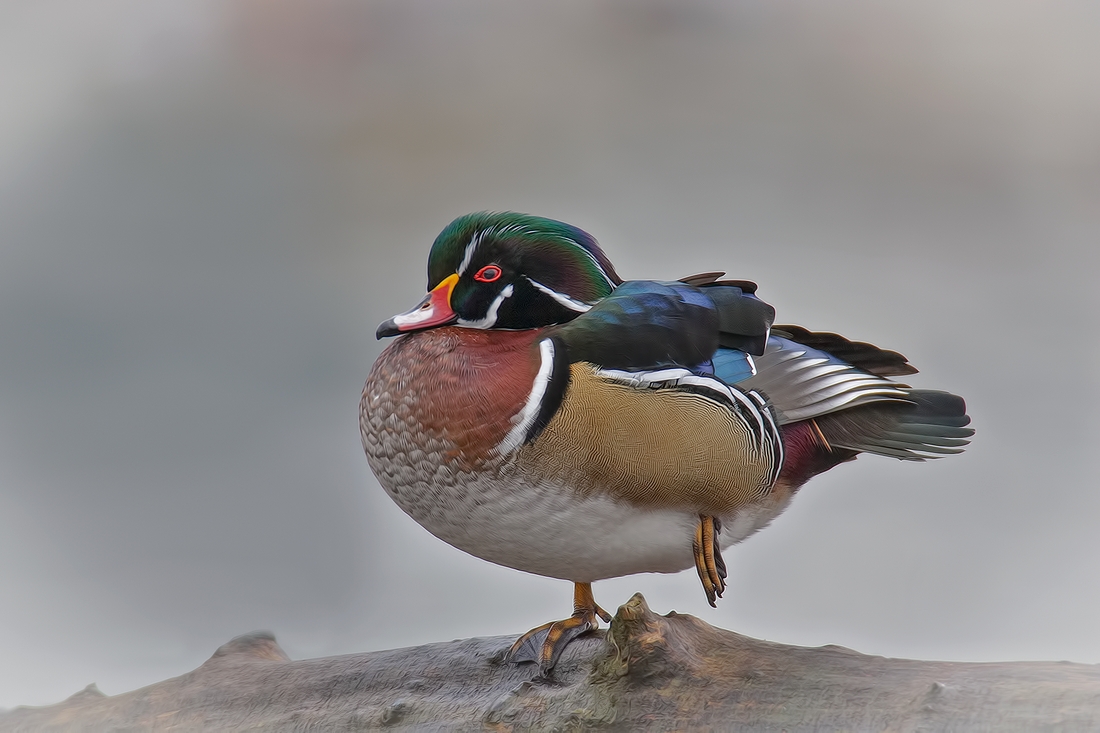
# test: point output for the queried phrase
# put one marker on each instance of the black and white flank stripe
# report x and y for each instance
(750, 408)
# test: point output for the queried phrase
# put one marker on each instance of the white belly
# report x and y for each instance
(550, 530)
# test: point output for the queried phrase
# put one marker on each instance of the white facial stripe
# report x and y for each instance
(599, 268)
(565, 300)
(525, 418)
(511, 229)
(469, 254)
(490, 318)
(591, 257)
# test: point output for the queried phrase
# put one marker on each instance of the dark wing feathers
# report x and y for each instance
(857, 353)
(703, 278)
(712, 278)
(646, 324)
(744, 320)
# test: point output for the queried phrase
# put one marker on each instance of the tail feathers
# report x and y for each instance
(839, 389)
(929, 424)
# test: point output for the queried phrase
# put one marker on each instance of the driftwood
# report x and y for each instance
(648, 672)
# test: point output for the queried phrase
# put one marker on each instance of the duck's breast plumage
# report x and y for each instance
(614, 485)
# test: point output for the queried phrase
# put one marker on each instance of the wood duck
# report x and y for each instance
(537, 411)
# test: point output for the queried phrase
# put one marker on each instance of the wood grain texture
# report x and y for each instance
(648, 672)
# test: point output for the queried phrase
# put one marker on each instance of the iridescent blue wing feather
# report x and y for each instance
(732, 365)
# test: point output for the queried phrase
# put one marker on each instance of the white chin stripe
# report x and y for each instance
(414, 317)
(525, 418)
(490, 318)
(565, 300)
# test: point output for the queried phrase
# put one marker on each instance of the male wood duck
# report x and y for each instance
(537, 411)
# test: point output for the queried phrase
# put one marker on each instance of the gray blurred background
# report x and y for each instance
(207, 207)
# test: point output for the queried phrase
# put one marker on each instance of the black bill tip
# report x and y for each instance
(386, 329)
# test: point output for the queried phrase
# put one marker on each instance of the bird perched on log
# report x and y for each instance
(537, 411)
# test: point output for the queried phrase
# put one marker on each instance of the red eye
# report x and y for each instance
(488, 274)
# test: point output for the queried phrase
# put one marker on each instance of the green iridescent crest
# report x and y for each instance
(554, 254)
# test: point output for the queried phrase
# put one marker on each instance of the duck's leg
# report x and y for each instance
(544, 644)
(708, 557)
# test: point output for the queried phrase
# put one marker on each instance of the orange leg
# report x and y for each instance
(708, 558)
(544, 644)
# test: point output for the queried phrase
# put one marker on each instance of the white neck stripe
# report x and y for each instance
(565, 300)
(523, 420)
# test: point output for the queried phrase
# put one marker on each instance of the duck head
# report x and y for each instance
(508, 271)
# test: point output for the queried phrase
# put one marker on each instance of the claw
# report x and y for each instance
(708, 558)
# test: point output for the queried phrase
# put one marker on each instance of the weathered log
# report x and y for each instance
(648, 672)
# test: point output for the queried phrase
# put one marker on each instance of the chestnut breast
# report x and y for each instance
(447, 396)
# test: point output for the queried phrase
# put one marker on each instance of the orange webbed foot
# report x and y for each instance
(545, 644)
